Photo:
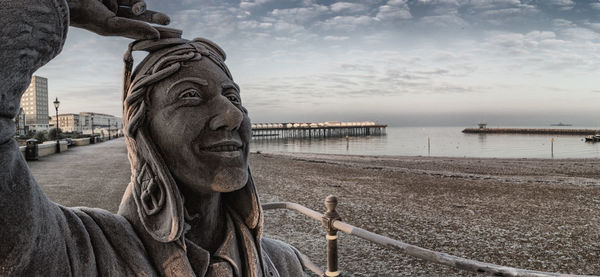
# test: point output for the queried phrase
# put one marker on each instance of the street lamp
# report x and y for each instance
(19, 122)
(56, 104)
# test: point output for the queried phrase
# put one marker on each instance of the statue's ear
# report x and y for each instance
(158, 200)
(246, 203)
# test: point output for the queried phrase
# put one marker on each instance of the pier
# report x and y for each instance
(316, 130)
(531, 131)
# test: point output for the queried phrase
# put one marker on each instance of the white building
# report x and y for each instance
(88, 123)
(100, 123)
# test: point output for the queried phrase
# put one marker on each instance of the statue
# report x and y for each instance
(191, 208)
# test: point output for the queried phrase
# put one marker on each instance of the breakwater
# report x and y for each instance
(531, 131)
(316, 130)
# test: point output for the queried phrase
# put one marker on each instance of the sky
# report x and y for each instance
(397, 62)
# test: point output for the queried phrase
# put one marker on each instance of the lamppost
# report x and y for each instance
(18, 122)
(56, 104)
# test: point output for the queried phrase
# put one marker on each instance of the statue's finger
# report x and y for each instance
(111, 5)
(137, 6)
(128, 2)
(148, 16)
(135, 29)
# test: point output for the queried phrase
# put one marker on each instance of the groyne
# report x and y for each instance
(531, 131)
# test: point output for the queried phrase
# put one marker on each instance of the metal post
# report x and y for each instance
(92, 125)
(332, 250)
(428, 146)
(109, 129)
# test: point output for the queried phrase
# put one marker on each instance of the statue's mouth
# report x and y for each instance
(223, 146)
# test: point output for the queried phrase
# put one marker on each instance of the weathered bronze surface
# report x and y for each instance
(191, 208)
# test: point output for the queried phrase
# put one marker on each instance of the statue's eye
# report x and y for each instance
(233, 98)
(190, 93)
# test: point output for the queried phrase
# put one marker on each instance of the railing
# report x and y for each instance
(332, 224)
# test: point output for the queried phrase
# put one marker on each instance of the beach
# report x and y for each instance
(538, 214)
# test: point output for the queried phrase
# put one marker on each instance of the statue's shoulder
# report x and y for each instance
(113, 240)
(104, 219)
(284, 257)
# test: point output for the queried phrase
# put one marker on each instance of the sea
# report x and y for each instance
(442, 142)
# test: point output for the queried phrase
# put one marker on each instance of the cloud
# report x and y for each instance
(443, 21)
(563, 23)
(561, 4)
(345, 23)
(593, 25)
(347, 7)
(335, 38)
(300, 15)
(579, 34)
(212, 21)
(570, 52)
(245, 4)
(394, 9)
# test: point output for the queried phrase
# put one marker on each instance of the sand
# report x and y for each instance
(528, 213)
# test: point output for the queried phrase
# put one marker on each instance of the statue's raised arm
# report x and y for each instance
(33, 33)
(38, 237)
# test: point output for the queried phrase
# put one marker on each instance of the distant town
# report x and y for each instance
(36, 120)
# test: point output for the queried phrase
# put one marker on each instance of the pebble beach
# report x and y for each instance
(528, 213)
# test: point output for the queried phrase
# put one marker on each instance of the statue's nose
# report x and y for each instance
(229, 118)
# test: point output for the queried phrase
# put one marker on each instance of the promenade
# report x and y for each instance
(94, 175)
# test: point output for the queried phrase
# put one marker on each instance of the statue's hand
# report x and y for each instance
(115, 18)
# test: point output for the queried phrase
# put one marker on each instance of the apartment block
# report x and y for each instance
(34, 103)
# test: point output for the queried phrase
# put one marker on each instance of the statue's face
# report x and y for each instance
(196, 120)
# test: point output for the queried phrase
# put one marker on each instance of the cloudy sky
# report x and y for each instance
(415, 62)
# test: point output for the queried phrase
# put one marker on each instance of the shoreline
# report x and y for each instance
(282, 153)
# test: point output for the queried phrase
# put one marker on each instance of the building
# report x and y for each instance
(88, 123)
(20, 123)
(68, 123)
(34, 103)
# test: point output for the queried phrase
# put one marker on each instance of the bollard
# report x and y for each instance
(332, 252)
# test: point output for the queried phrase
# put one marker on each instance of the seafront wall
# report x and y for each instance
(531, 131)
(49, 147)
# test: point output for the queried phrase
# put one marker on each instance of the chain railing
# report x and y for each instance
(332, 223)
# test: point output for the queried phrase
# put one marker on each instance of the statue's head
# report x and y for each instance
(196, 120)
(187, 131)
